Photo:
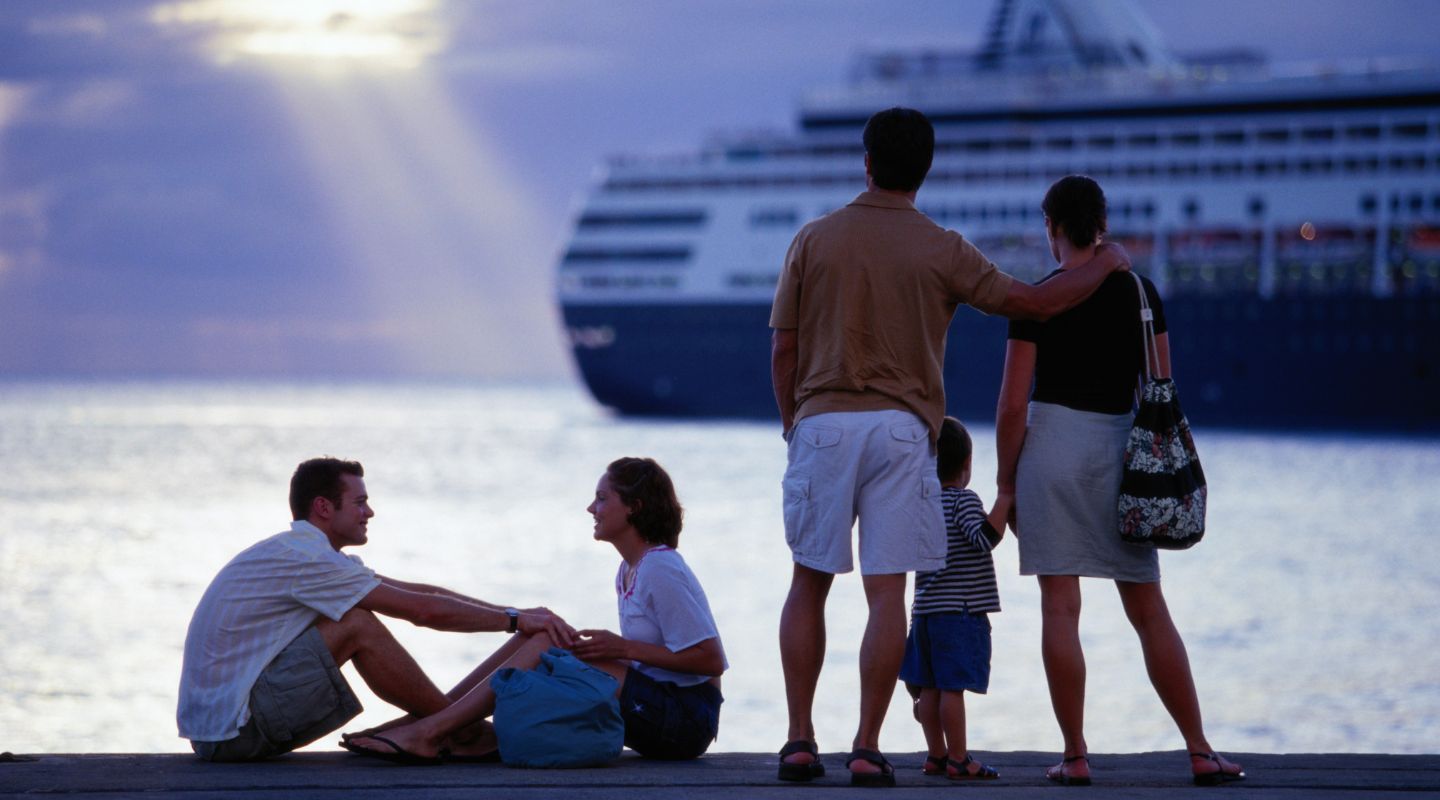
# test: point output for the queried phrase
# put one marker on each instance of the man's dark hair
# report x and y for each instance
(901, 146)
(952, 450)
(319, 477)
(646, 489)
(1077, 205)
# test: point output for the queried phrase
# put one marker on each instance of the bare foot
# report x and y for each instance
(1210, 769)
(1072, 771)
(477, 740)
(403, 737)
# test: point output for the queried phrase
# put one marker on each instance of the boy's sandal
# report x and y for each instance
(800, 772)
(885, 777)
(1056, 774)
(1219, 776)
(960, 770)
(934, 765)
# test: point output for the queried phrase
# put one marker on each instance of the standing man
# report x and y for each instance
(261, 674)
(860, 317)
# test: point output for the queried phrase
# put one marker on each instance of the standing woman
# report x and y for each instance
(1062, 457)
(667, 656)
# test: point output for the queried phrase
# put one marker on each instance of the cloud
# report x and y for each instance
(85, 26)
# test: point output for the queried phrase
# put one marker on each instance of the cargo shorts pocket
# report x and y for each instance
(807, 459)
(298, 699)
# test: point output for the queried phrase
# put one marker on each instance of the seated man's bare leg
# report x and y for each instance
(385, 666)
(429, 735)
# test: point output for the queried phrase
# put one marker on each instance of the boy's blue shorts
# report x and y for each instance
(949, 651)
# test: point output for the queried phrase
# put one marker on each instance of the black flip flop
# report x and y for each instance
(396, 755)
(800, 772)
(884, 778)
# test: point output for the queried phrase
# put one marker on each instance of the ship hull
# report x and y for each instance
(1342, 362)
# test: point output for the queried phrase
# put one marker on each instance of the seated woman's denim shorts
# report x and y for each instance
(667, 721)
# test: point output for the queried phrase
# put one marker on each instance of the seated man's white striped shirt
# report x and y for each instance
(258, 603)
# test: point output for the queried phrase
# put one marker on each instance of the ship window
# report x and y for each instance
(1186, 139)
(1257, 207)
(1275, 135)
(1368, 204)
(1318, 134)
(1144, 140)
(1417, 203)
(1191, 209)
(1230, 137)
(641, 219)
(774, 217)
(1261, 168)
(978, 145)
(1148, 209)
(1102, 142)
(1060, 143)
(1435, 202)
(1368, 133)
(1410, 130)
(1414, 162)
(1018, 145)
(648, 255)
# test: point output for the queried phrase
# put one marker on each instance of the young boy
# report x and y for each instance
(948, 651)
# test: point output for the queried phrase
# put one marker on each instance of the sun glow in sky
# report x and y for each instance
(397, 34)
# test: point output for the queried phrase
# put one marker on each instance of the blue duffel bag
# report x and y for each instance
(563, 713)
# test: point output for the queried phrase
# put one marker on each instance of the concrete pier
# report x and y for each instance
(733, 776)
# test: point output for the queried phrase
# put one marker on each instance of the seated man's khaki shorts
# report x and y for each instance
(299, 697)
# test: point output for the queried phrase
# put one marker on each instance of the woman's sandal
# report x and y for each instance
(1056, 774)
(1217, 777)
(960, 770)
(800, 772)
(934, 765)
(885, 777)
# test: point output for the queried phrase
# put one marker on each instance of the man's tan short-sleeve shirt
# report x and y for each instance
(871, 289)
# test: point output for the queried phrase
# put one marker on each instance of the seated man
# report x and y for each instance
(261, 674)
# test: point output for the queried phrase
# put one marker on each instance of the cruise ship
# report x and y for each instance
(1290, 219)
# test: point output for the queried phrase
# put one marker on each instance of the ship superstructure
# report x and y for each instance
(1290, 220)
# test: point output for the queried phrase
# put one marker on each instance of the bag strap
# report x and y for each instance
(1147, 330)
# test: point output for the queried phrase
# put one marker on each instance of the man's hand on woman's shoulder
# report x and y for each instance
(1115, 255)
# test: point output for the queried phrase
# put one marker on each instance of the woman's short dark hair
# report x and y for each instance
(952, 449)
(1077, 205)
(901, 146)
(319, 477)
(646, 489)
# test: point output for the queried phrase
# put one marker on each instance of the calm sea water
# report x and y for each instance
(1309, 611)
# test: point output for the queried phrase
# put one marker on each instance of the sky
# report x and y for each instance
(339, 189)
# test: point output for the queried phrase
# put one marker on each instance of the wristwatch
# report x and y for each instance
(514, 615)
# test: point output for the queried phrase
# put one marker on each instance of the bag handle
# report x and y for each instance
(1147, 330)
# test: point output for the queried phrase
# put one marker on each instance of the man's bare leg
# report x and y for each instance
(881, 652)
(385, 666)
(802, 650)
(428, 735)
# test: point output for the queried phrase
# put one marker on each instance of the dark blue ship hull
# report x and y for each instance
(1332, 362)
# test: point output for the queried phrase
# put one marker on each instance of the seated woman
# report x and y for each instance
(1061, 449)
(667, 658)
